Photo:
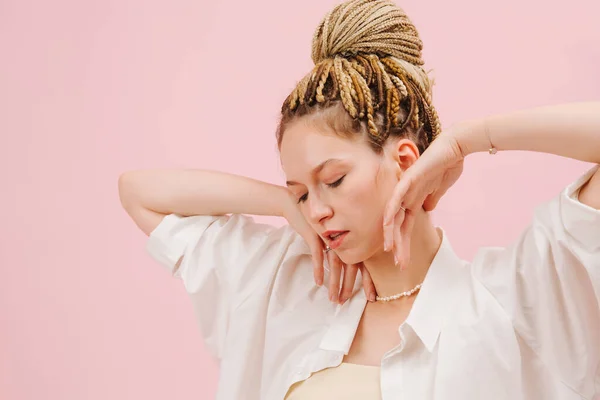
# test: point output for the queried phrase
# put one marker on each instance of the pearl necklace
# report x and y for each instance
(403, 294)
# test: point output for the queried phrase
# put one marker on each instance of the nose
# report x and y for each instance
(318, 210)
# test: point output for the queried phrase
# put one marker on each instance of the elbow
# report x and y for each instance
(126, 188)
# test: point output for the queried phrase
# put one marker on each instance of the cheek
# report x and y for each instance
(386, 181)
(368, 201)
(374, 191)
(363, 198)
(366, 204)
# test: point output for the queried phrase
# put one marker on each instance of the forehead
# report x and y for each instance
(304, 146)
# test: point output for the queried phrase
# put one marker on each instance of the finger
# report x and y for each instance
(395, 201)
(406, 233)
(368, 285)
(350, 272)
(316, 250)
(393, 207)
(398, 239)
(388, 236)
(335, 272)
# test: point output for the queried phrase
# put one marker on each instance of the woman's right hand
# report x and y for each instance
(337, 294)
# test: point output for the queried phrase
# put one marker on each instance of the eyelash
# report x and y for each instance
(331, 185)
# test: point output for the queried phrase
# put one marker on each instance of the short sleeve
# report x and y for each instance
(225, 261)
(580, 221)
(548, 282)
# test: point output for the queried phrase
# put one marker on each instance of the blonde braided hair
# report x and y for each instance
(367, 56)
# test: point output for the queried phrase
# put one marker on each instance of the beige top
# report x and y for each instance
(346, 381)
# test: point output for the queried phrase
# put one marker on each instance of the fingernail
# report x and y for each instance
(343, 300)
(395, 260)
(372, 297)
(319, 282)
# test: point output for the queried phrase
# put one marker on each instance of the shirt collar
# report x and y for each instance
(428, 311)
(440, 287)
(341, 331)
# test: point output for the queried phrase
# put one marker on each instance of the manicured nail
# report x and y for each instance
(319, 281)
(387, 244)
(395, 260)
(372, 297)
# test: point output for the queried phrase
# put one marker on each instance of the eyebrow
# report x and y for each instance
(316, 170)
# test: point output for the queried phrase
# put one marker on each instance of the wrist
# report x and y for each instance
(286, 202)
(473, 136)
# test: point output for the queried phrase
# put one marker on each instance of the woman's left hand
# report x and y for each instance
(421, 186)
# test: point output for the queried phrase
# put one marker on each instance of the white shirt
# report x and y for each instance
(521, 322)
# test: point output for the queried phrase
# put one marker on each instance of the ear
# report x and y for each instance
(407, 153)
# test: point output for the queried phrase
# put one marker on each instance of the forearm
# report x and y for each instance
(569, 130)
(200, 192)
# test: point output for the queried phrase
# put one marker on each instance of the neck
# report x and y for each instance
(387, 277)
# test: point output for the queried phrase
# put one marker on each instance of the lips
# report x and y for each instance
(328, 234)
(335, 238)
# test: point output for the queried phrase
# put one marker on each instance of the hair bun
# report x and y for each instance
(369, 27)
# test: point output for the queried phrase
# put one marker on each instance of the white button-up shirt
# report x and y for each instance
(521, 322)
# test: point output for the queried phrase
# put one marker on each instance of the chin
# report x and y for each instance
(352, 256)
(355, 256)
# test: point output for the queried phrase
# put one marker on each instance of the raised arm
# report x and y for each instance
(149, 195)
(568, 130)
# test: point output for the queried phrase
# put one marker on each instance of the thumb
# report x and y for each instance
(431, 201)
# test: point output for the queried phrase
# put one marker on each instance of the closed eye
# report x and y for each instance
(337, 183)
(331, 185)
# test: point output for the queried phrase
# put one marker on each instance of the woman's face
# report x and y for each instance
(349, 192)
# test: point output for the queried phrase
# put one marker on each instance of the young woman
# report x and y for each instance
(365, 161)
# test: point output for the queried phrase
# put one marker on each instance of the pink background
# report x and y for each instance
(91, 89)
